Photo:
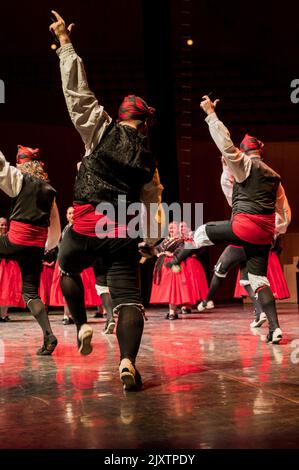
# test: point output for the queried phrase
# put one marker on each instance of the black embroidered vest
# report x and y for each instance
(34, 202)
(120, 165)
(257, 194)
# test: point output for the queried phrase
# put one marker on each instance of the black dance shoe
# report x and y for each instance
(50, 343)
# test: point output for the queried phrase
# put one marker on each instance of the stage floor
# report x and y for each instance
(209, 383)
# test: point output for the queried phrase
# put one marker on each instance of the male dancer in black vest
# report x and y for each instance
(34, 220)
(257, 194)
(117, 163)
(235, 255)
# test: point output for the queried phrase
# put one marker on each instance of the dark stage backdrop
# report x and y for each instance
(246, 54)
(116, 39)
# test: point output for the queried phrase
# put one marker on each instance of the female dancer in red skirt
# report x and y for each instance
(173, 288)
(194, 270)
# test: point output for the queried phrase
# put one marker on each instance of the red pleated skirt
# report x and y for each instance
(198, 280)
(10, 284)
(45, 283)
(174, 288)
(276, 278)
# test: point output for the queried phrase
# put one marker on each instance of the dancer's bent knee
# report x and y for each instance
(258, 282)
(201, 238)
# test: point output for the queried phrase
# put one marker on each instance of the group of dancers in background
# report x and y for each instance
(181, 289)
(188, 285)
(118, 161)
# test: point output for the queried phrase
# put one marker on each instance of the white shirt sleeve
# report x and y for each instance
(152, 210)
(227, 183)
(89, 118)
(283, 213)
(239, 163)
(54, 230)
(11, 179)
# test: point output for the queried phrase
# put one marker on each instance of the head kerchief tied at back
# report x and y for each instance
(134, 107)
(250, 143)
(26, 154)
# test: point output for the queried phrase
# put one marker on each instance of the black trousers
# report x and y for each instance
(100, 271)
(256, 255)
(120, 261)
(29, 259)
(231, 257)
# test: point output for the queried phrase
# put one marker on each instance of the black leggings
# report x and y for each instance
(232, 256)
(100, 271)
(120, 257)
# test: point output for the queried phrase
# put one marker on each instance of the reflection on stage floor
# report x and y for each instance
(210, 382)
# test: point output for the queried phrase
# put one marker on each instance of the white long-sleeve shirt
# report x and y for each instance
(238, 162)
(88, 116)
(11, 178)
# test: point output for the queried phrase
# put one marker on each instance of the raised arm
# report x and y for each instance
(11, 179)
(89, 118)
(238, 162)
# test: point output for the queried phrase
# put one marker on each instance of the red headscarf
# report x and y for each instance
(26, 154)
(250, 143)
(134, 107)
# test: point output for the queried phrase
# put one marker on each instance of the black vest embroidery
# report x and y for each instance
(120, 165)
(257, 194)
(34, 202)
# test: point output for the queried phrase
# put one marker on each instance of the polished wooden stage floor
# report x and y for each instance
(210, 382)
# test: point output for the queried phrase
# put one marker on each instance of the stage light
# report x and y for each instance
(53, 47)
(190, 42)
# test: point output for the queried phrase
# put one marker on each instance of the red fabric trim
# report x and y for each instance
(259, 289)
(86, 218)
(254, 228)
(27, 234)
